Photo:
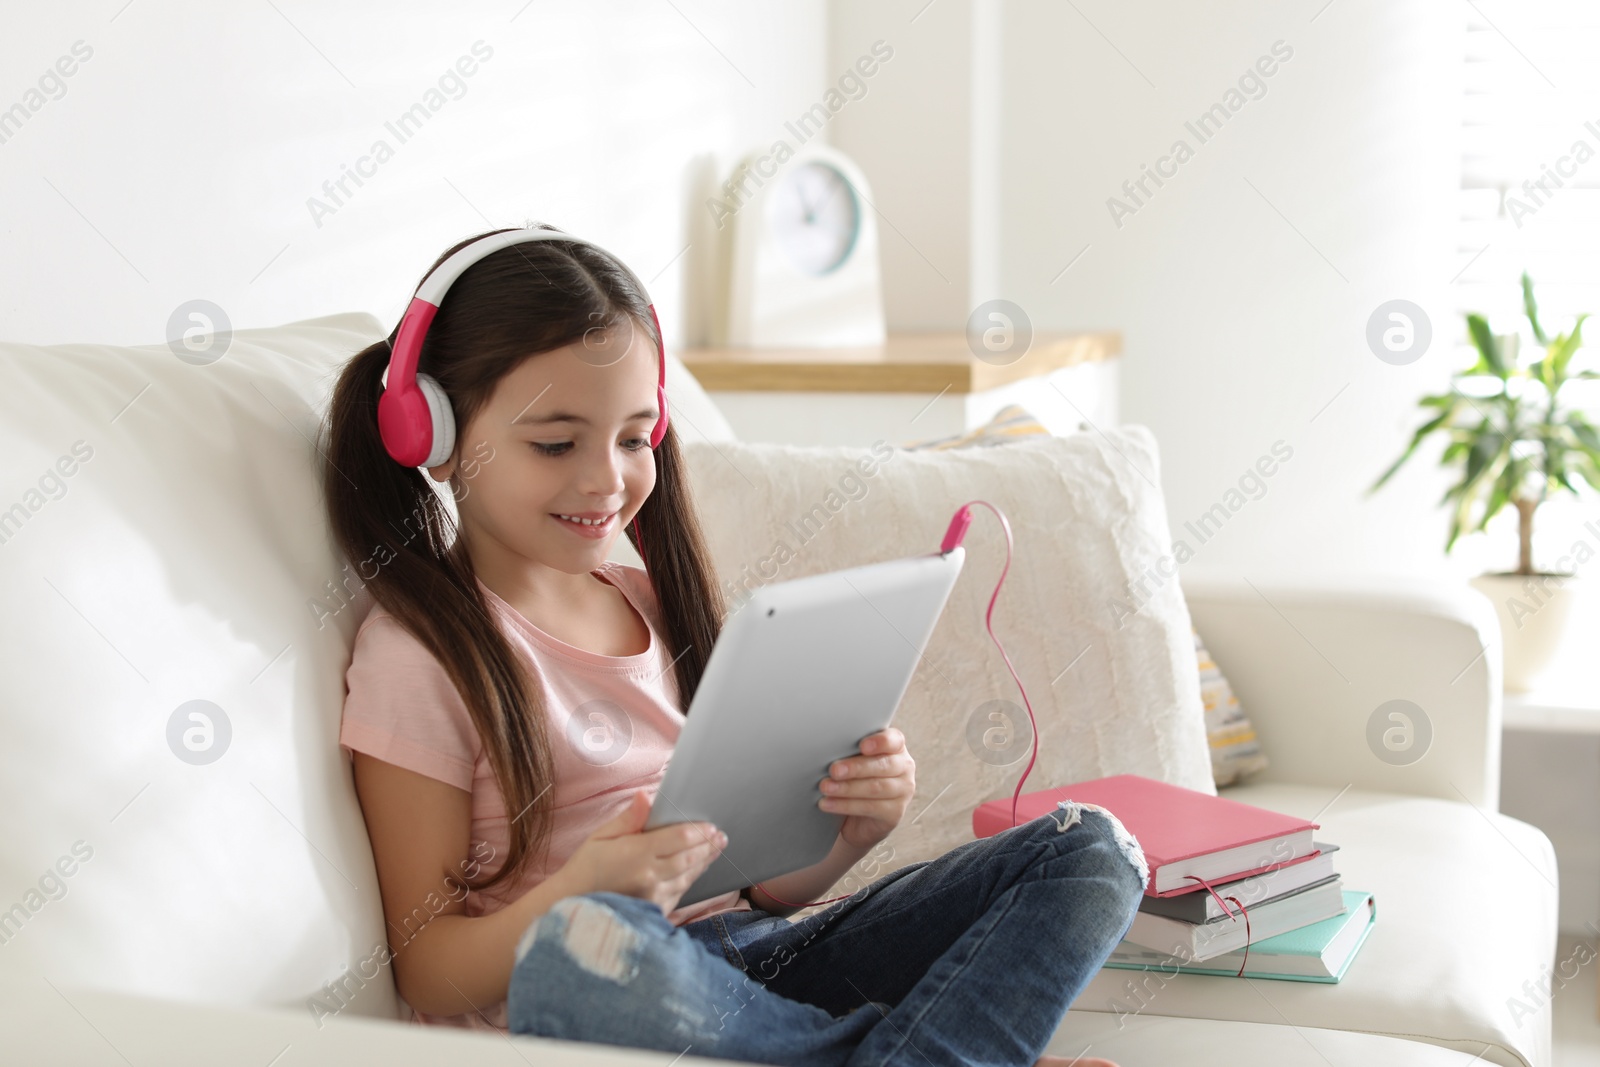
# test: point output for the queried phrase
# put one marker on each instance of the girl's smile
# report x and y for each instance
(598, 531)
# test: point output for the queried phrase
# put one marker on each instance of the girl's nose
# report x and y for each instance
(603, 475)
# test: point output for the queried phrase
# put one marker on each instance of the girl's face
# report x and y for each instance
(565, 433)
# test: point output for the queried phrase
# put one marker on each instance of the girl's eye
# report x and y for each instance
(635, 444)
(551, 450)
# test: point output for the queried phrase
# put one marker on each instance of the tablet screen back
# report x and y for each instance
(798, 677)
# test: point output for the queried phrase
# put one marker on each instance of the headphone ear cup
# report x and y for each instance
(442, 417)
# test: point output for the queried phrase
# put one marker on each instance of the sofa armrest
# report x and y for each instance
(1311, 662)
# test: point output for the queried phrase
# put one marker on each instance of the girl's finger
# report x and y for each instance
(861, 788)
(887, 797)
(879, 766)
(888, 739)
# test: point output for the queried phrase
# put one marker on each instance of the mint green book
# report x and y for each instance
(1319, 952)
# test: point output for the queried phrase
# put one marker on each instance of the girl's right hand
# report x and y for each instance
(655, 865)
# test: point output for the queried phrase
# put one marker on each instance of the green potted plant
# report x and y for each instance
(1512, 441)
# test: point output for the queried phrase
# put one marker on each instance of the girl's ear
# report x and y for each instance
(443, 471)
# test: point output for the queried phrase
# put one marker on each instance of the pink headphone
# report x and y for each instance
(415, 420)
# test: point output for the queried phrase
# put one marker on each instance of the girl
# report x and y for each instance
(514, 698)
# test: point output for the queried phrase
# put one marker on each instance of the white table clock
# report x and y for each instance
(803, 254)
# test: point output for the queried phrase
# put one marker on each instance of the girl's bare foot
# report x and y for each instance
(1064, 1061)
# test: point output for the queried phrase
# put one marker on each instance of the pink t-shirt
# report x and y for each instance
(612, 723)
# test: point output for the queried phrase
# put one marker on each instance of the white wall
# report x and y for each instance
(1239, 329)
(179, 160)
(911, 134)
(1244, 284)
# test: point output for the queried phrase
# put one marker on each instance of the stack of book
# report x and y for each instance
(1283, 911)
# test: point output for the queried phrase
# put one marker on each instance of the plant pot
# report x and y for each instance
(1534, 610)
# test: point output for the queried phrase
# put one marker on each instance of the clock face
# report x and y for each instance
(815, 216)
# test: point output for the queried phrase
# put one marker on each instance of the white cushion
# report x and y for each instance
(1086, 523)
(181, 561)
(1466, 914)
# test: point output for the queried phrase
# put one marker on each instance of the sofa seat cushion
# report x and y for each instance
(1466, 927)
(1159, 1041)
(46, 1025)
(89, 1026)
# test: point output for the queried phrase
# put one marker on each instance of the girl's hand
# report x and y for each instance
(873, 789)
(655, 865)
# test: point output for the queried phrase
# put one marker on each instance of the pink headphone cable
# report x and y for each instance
(953, 537)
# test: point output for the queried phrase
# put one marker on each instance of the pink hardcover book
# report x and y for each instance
(1182, 831)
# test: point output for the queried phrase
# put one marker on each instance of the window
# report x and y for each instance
(1530, 162)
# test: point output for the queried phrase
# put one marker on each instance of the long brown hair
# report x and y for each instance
(512, 304)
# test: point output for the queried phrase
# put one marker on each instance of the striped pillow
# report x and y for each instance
(1235, 750)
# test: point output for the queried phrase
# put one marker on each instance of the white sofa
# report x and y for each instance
(228, 911)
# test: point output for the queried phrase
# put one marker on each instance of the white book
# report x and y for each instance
(1320, 952)
(1192, 942)
(1201, 906)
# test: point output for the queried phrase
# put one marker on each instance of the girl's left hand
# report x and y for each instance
(873, 789)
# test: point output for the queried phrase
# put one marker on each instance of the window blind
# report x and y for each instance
(1530, 162)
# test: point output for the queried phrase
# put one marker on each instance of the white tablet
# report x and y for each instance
(798, 677)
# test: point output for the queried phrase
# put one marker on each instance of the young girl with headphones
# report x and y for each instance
(514, 696)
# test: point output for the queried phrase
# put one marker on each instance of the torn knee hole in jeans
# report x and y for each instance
(1074, 810)
(595, 937)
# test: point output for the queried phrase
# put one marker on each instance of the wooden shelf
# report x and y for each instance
(905, 363)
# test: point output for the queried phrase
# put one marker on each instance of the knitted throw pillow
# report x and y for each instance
(1235, 750)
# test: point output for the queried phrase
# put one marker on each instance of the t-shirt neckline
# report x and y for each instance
(558, 647)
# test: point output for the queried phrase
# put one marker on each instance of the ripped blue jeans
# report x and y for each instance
(968, 960)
